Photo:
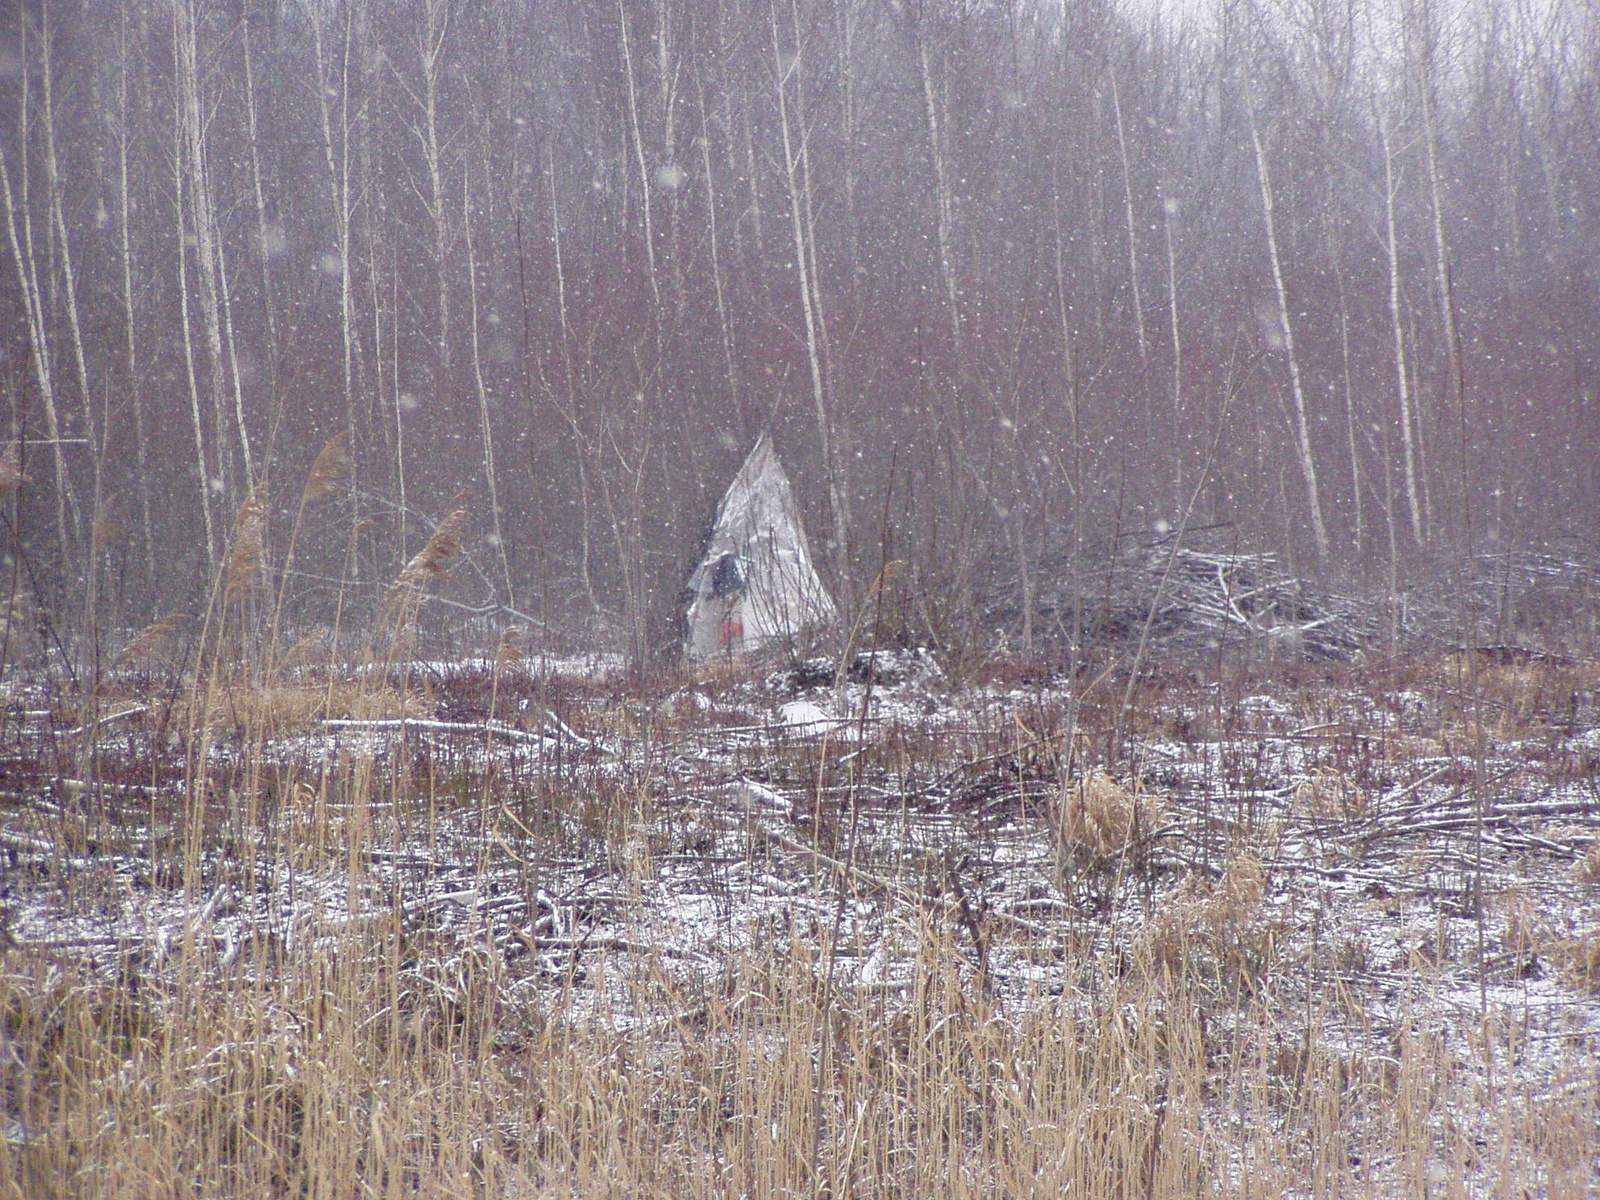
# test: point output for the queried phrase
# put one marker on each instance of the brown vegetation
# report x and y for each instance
(531, 940)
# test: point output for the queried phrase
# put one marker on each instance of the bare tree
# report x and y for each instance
(1308, 465)
(787, 79)
(1397, 327)
(33, 286)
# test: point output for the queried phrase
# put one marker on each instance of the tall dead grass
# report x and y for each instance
(377, 1056)
(349, 1072)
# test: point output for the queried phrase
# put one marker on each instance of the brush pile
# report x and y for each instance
(1536, 599)
(1193, 600)
(1199, 597)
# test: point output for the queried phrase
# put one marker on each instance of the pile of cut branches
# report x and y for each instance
(1191, 600)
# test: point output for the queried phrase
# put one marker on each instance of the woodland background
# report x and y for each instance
(1004, 278)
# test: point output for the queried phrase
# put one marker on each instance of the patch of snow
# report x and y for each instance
(1265, 706)
(1587, 742)
(806, 718)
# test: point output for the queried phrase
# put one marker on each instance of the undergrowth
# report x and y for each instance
(292, 924)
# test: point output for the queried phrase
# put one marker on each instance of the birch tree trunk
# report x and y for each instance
(1308, 466)
(636, 130)
(795, 168)
(1446, 292)
(943, 200)
(194, 158)
(336, 160)
(1129, 225)
(1402, 376)
(63, 243)
(125, 212)
(724, 324)
(191, 377)
(20, 235)
(485, 425)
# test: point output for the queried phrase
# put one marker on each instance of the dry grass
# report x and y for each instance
(1105, 818)
(430, 564)
(154, 643)
(462, 969)
(1218, 932)
(1588, 868)
(353, 1073)
(247, 544)
(1331, 794)
(1579, 958)
(284, 709)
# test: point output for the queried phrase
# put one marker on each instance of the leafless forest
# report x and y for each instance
(1195, 416)
(1005, 279)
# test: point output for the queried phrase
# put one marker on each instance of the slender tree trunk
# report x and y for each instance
(196, 416)
(1308, 466)
(336, 159)
(1358, 534)
(794, 167)
(1130, 226)
(569, 408)
(943, 199)
(1074, 474)
(124, 138)
(436, 26)
(845, 17)
(204, 228)
(19, 232)
(1180, 432)
(1397, 327)
(402, 401)
(669, 70)
(723, 322)
(486, 426)
(58, 220)
(269, 239)
(636, 130)
(1446, 293)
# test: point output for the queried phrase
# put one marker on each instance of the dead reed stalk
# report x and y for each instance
(11, 477)
(429, 565)
(247, 556)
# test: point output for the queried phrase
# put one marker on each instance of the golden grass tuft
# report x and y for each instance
(1405, 747)
(312, 649)
(1103, 817)
(1588, 867)
(510, 652)
(284, 708)
(1330, 794)
(1579, 959)
(1219, 928)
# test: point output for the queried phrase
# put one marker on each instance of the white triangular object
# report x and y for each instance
(755, 586)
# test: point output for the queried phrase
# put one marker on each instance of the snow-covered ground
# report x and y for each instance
(1377, 856)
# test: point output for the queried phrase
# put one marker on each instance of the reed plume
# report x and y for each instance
(153, 640)
(246, 561)
(510, 651)
(432, 562)
(11, 476)
(330, 467)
